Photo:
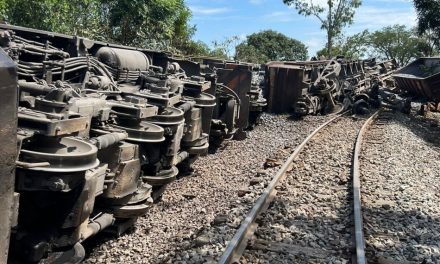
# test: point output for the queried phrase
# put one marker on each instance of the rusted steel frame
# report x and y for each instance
(357, 207)
(412, 79)
(237, 245)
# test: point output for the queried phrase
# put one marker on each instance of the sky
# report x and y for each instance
(218, 19)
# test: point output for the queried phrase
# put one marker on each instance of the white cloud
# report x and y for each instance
(373, 18)
(315, 44)
(256, 2)
(281, 16)
(200, 10)
(367, 17)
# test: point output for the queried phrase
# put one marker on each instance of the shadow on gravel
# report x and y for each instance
(330, 236)
(93, 243)
(422, 128)
(295, 118)
(417, 234)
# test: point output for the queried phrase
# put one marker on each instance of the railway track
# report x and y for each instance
(311, 211)
(185, 217)
(400, 190)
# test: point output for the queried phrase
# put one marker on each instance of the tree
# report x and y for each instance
(248, 53)
(428, 19)
(397, 42)
(218, 53)
(77, 17)
(352, 47)
(195, 48)
(3, 10)
(270, 45)
(334, 17)
(157, 24)
(224, 49)
(429, 45)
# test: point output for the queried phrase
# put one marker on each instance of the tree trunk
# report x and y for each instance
(329, 30)
(329, 44)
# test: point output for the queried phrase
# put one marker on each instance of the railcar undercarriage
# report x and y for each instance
(102, 129)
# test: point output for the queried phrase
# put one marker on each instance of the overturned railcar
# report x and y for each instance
(320, 87)
(237, 87)
(102, 129)
(421, 78)
(239, 78)
(8, 151)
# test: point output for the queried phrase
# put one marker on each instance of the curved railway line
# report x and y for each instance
(204, 208)
(400, 189)
(279, 197)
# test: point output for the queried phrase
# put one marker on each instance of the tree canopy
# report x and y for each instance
(393, 42)
(270, 45)
(333, 17)
(165, 25)
(154, 23)
(351, 47)
(397, 42)
(429, 20)
(225, 48)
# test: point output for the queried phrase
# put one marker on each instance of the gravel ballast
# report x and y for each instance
(198, 215)
(310, 220)
(400, 168)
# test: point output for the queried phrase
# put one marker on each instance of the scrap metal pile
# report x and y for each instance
(321, 87)
(103, 128)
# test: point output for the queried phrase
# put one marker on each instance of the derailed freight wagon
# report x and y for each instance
(102, 129)
(8, 151)
(421, 78)
(320, 87)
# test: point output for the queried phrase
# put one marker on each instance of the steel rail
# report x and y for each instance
(357, 204)
(237, 245)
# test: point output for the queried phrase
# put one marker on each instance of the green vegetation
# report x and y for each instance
(334, 17)
(393, 42)
(224, 49)
(165, 25)
(429, 24)
(353, 47)
(429, 20)
(161, 24)
(397, 42)
(270, 45)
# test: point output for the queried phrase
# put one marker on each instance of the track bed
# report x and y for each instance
(310, 220)
(400, 191)
(198, 215)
